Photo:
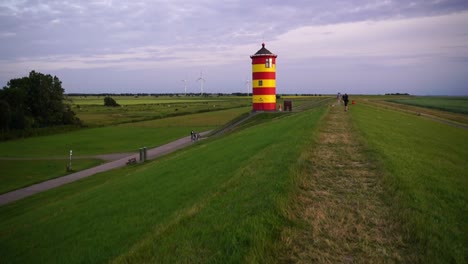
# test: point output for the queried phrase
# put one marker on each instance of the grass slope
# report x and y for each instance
(120, 138)
(218, 201)
(123, 138)
(21, 173)
(426, 167)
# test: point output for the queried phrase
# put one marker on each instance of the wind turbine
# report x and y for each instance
(201, 80)
(185, 86)
(247, 83)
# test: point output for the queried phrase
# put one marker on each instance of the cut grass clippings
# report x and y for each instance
(338, 209)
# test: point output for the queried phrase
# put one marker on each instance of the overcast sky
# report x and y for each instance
(323, 46)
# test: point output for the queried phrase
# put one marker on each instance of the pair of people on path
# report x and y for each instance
(345, 99)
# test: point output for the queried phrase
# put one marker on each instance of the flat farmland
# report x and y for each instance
(135, 100)
(92, 112)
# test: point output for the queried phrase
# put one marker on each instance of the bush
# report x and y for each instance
(109, 101)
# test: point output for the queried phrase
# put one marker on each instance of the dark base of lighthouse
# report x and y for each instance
(264, 106)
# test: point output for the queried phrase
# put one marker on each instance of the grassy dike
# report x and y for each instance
(220, 201)
(45, 157)
(118, 138)
(425, 164)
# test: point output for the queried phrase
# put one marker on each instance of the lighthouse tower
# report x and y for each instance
(263, 80)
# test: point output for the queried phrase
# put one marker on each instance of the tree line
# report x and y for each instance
(34, 101)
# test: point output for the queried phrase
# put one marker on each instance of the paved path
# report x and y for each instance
(121, 162)
(106, 157)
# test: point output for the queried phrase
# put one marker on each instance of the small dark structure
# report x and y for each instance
(132, 161)
(287, 106)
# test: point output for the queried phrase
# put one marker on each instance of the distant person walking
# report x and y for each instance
(345, 100)
(194, 135)
(338, 98)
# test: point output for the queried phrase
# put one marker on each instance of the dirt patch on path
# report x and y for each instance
(340, 208)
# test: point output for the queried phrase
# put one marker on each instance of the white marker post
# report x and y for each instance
(70, 165)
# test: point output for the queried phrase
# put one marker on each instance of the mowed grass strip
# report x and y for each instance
(120, 138)
(220, 201)
(426, 175)
(431, 112)
(339, 210)
(451, 104)
(16, 174)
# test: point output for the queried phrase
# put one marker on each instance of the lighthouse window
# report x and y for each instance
(268, 63)
(260, 83)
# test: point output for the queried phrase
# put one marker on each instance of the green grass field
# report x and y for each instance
(228, 199)
(425, 166)
(114, 139)
(451, 104)
(92, 112)
(87, 142)
(219, 201)
(135, 100)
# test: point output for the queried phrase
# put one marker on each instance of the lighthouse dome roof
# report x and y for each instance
(263, 52)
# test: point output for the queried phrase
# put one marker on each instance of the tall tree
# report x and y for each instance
(36, 101)
(5, 115)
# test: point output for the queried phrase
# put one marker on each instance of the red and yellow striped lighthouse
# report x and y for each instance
(263, 80)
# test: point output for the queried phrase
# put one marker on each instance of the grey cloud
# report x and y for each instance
(72, 27)
(93, 29)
